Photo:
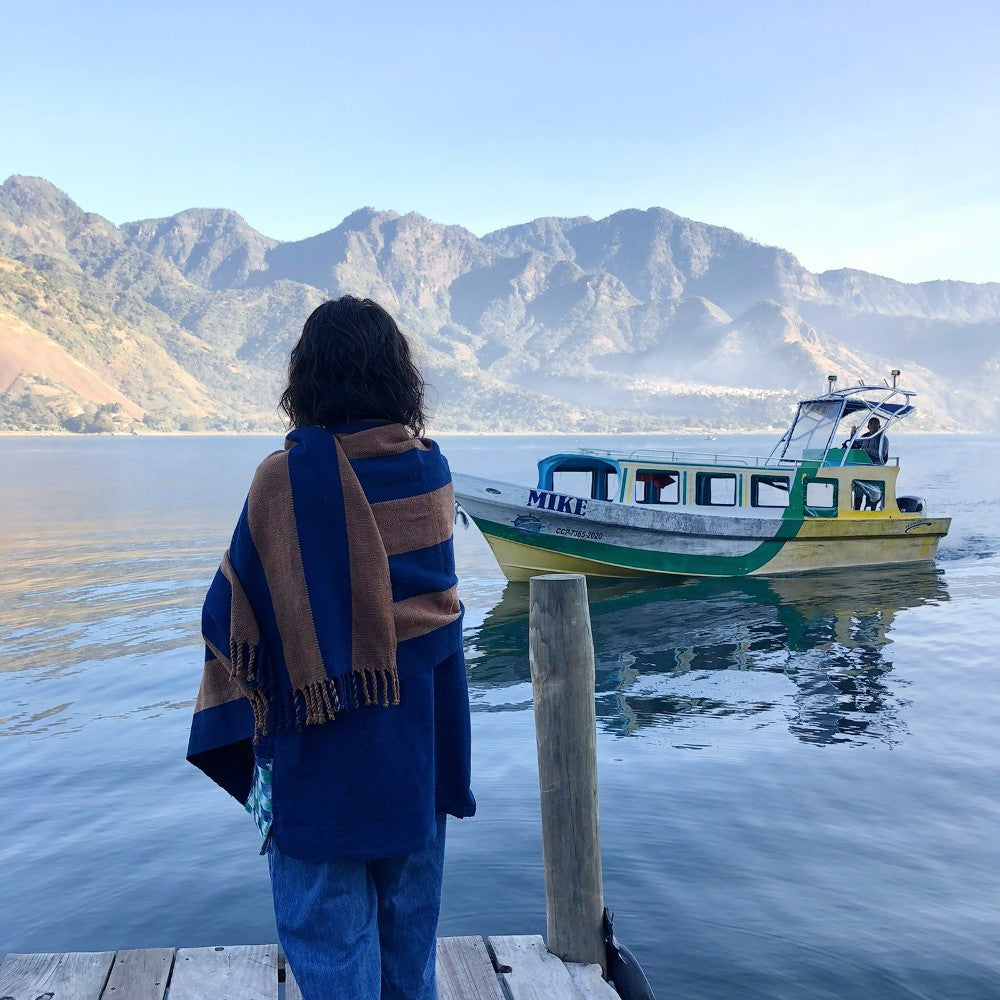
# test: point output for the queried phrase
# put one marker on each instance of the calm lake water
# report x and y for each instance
(799, 781)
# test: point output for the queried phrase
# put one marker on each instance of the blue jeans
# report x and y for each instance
(361, 930)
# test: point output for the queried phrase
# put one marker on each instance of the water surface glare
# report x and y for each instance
(798, 777)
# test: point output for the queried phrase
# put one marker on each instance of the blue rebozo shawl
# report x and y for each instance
(341, 563)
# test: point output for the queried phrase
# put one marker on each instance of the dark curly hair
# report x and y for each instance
(352, 362)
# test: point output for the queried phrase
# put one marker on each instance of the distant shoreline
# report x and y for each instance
(715, 432)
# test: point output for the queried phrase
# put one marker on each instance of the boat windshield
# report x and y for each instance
(811, 435)
(811, 432)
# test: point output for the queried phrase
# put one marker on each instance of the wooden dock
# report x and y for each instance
(468, 968)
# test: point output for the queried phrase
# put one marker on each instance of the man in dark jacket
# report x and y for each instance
(873, 442)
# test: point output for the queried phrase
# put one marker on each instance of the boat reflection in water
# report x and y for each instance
(669, 655)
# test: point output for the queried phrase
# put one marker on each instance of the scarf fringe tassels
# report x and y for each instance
(311, 705)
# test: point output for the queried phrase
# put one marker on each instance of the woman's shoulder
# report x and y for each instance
(270, 479)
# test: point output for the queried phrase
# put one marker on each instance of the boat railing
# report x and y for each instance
(696, 458)
(715, 458)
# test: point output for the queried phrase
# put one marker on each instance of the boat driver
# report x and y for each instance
(873, 442)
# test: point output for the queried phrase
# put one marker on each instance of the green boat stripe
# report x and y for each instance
(661, 562)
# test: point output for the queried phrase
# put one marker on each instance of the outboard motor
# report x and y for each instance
(911, 505)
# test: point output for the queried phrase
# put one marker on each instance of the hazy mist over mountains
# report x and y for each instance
(641, 321)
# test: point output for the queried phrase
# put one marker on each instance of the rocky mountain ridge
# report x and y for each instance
(643, 320)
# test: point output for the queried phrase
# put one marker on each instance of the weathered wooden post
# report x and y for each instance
(561, 653)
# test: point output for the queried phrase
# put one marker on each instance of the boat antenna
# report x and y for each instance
(831, 381)
(895, 376)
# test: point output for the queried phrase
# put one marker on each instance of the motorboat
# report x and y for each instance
(824, 497)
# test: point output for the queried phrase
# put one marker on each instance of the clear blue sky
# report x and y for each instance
(863, 134)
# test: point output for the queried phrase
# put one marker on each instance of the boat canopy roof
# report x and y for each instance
(573, 462)
(895, 410)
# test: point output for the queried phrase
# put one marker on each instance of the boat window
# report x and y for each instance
(600, 484)
(868, 494)
(769, 491)
(657, 486)
(713, 489)
(820, 497)
(574, 484)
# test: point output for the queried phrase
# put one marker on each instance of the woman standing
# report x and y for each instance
(334, 702)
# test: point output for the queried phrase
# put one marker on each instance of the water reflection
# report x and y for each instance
(98, 597)
(817, 650)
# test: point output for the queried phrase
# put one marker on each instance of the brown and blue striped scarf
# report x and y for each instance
(341, 563)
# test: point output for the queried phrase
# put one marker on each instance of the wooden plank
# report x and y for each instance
(292, 991)
(244, 972)
(465, 970)
(529, 971)
(73, 976)
(589, 981)
(140, 974)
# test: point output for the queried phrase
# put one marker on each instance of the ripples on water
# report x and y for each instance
(798, 776)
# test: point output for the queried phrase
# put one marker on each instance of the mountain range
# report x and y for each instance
(640, 321)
